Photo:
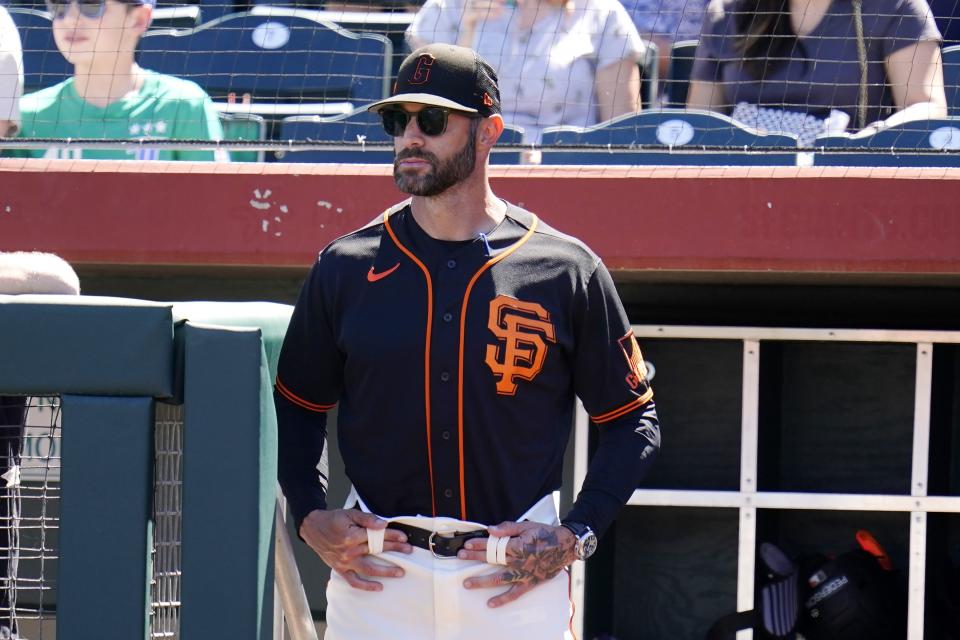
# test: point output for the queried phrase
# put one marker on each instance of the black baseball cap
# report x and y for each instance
(445, 75)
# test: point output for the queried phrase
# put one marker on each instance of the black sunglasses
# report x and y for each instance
(91, 9)
(432, 121)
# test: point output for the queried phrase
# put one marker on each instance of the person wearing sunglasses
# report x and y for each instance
(452, 334)
(109, 95)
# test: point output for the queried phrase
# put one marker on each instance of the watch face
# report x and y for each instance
(588, 545)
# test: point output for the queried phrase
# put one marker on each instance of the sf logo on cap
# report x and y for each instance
(422, 73)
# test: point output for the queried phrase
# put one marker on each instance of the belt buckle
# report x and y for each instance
(431, 543)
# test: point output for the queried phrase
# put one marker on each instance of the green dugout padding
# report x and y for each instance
(86, 345)
(229, 485)
(110, 360)
(105, 533)
(269, 317)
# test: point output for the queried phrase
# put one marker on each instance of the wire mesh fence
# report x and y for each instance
(30, 522)
(242, 77)
(167, 517)
(30, 429)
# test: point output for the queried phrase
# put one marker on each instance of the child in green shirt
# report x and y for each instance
(109, 95)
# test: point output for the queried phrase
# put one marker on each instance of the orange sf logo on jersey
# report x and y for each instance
(523, 330)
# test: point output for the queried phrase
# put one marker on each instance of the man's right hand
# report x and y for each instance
(339, 537)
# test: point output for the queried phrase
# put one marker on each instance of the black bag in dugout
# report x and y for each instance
(777, 597)
(855, 596)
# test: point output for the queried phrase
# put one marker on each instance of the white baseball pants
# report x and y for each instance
(430, 602)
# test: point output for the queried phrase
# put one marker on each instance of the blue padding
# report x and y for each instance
(229, 485)
(686, 130)
(939, 138)
(86, 345)
(105, 536)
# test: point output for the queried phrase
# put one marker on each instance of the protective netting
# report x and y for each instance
(30, 429)
(775, 82)
(30, 515)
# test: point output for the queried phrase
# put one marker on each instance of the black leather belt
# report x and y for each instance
(441, 545)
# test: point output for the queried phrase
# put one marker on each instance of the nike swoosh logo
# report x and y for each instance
(373, 277)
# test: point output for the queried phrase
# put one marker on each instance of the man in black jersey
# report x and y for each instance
(453, 333)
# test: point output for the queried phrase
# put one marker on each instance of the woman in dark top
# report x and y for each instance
(819, 66)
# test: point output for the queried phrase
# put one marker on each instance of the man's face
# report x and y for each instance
(429, 165)
(88, 41)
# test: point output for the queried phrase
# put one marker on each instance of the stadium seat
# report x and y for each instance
(280, 58)
(678, 72)
(354, 131)
(392, 24)
(951, 78)
(177, 17)
(216, 9)
(511, 135)
(897, 143)
(690, 132)
(43, 64)
(244, 126)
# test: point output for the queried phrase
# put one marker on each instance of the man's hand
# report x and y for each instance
(340, 539)
(536, 553)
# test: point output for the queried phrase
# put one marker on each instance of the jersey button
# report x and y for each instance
(448, 493)
(445, 435)
(445, 376)
(451, 264)
(447, 317)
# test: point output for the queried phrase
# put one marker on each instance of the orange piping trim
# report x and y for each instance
(463, 325)
(300, 402)
(625, 409)
(573, 605)
(426, 355)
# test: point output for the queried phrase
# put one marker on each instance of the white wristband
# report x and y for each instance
(375, 541)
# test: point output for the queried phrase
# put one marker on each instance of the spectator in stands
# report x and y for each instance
(20, 273)
(560, 62)
(11, 75)
(819, 66)
(664, 22)
(109, 95)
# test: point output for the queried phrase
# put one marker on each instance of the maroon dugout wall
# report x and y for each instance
(652, 221)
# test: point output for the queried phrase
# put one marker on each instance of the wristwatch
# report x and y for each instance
(586, 538)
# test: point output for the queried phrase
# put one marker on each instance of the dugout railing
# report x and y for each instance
(168, 460)
(834, 431)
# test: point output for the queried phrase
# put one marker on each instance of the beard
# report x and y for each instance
(442, 174)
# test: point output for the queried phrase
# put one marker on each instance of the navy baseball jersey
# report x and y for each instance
(454, 367)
